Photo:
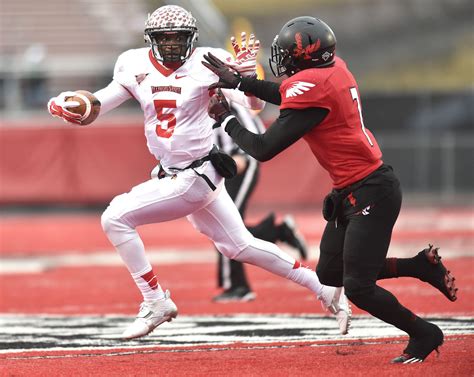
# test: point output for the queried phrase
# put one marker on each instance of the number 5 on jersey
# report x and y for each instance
(355, 97)
(167, 122)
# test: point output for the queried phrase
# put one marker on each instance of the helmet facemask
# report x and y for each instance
(171, 46)
(281, 60)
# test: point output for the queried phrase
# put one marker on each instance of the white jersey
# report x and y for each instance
(178, 129)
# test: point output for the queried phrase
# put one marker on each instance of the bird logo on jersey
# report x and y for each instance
(139, 78)
(297, 88)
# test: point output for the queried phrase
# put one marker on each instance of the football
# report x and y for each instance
(89, 106)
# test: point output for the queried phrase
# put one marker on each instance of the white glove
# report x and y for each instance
(58, 107)
(245, 55)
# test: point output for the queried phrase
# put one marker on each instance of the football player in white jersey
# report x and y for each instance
(170, 83)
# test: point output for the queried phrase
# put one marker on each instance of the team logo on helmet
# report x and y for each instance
(304, 52)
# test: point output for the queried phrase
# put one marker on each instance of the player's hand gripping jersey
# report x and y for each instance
(341, 143)
(178, 129)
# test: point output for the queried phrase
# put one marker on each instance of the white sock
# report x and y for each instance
(147, 283)
(132, 253)
(271, 258)
(307, 278)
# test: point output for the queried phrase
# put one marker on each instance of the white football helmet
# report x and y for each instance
(171, 31)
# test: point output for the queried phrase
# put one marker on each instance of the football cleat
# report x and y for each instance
(237, 294)
(432, 271)
(291, 236)
(151, 315)
(420, 347)
(406, 358)
(335, 301)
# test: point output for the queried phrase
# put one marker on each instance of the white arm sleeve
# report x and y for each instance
(112, 96)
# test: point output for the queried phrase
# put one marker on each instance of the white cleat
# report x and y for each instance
(335, 301)
(150, 316)
(344, 314)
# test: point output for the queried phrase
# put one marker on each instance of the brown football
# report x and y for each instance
(89, 106)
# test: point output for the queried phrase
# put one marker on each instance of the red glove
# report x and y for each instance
(58, 107)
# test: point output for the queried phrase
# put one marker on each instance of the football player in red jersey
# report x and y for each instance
(320, 102)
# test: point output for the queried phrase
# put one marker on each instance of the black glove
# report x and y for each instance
(218, 108)
(228, 78)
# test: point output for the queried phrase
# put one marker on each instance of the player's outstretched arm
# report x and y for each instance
(231, 79)
(289, 127)
(112, 96)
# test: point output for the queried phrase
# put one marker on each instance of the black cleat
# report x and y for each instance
(290, 235)
(406, 358)
(237, 294)
(435, 273)
(420, 347)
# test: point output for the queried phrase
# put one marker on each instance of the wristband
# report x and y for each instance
(226, 120)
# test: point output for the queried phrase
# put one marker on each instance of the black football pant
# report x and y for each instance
(354, 253)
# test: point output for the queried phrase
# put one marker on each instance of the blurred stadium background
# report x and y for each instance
(414, 60)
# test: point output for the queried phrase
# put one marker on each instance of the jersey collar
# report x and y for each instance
(160, 67)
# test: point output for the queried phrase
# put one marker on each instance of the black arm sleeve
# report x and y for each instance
(266, 90)
(290, 126)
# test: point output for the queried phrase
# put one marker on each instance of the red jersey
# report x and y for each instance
(341, 143)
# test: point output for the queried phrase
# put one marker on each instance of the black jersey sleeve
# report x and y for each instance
(290, 126)
(266, 90)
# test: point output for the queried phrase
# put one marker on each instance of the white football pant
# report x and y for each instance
(213, 213)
